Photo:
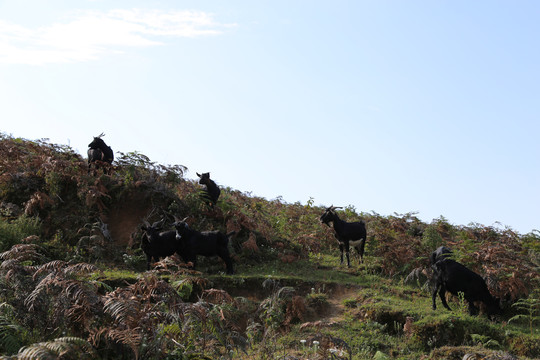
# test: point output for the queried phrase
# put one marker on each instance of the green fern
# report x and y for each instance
(531, 307)
(11, 333)
(10, 336)
(485, 341)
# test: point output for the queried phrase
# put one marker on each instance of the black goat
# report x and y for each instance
(353, 233)
(212, 190)
(157, 244)
(99, 151)
(449, 275)
(207, 243)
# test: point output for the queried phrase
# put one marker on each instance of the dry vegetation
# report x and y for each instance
(72, 276)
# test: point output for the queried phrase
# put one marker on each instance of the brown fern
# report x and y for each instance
(38, 201)
(215, 296)
(65, 348)
(23, 252)
(295, 311)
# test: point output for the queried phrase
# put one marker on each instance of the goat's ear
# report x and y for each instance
(199, 175)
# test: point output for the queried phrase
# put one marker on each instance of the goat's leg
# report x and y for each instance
(228, 263)
(92, 168)
(473, 310)
(434, 296)
(148, 261)
(190, 258)
(225, 256)
(361, 250)
(347, 251)
(442, 294)
(341, 250)
(230, 270)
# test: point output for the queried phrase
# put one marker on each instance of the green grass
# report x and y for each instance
(371, 317)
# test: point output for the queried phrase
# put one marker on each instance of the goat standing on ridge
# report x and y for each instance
(212, 190)
(353, 233)
(99, 151)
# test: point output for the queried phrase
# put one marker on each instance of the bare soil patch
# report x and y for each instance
(126, 216)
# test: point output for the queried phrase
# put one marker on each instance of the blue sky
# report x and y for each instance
(390, 106)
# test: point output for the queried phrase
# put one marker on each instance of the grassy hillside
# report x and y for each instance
(73, 278)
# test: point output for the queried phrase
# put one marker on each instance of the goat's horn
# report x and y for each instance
(184, 220)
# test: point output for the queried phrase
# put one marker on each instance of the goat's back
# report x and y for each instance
(212, 242)
(206, 243)
(458, 278)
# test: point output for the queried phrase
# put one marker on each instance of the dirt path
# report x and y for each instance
(337, 307)
(333, 312)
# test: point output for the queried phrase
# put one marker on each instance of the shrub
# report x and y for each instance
(455, 331)
(13, 232)
(431, 238)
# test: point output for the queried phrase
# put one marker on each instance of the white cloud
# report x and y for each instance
(91, 35)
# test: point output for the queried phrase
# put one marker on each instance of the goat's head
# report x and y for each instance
(152, 230)
(98, 142)
(204, 178)
(329, 215)
(181, 226)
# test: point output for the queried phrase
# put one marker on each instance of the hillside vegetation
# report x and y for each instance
(73, 279)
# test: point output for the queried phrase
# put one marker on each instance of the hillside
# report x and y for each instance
(73, 277)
